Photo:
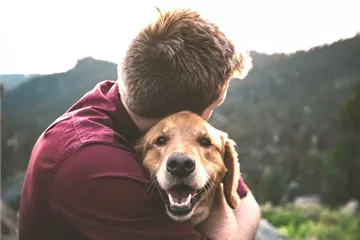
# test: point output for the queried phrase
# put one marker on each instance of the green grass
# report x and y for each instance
(313, 222)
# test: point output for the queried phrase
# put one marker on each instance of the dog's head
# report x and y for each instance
(188, 158)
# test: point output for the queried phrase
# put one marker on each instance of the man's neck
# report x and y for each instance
(143, 124)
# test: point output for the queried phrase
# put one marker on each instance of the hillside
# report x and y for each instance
(286, 108)
(28, 109)
(12, 81)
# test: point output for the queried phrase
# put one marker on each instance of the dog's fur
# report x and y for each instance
(216, 163)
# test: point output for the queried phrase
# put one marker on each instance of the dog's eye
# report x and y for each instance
(205, 142)
(161, 141)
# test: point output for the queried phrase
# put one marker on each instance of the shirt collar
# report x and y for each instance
(123, 121)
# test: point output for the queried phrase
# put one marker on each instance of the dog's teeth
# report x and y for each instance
(187, 202)
(172, 202)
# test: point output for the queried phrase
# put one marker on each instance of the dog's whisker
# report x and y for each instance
(154, 187)
(210, 187)
(151, 185)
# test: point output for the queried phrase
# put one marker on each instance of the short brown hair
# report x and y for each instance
(179, 62)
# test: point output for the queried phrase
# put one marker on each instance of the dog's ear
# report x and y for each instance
(141, 146)
(232, 176)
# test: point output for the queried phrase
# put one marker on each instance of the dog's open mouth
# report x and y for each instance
(181, 199)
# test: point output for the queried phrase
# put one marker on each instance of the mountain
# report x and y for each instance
(282, 115)
(12, 81)
(28, 109)
(48, 96)
(291, 94)
(286, 111)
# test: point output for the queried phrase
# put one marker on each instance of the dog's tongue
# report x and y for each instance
(180, 196)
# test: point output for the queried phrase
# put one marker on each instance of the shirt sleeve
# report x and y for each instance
(242, 189)
(103, 192)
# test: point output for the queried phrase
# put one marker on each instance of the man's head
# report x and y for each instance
(179, 62)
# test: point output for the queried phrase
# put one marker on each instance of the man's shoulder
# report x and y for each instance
(106, 160)
(91, 120)
(70, 138)
(83, 144)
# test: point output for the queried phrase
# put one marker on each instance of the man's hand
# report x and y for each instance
(226, 223)
(248, 216)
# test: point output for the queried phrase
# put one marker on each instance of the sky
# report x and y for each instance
(47, 36)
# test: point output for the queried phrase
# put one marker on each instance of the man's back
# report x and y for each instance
(84, 181)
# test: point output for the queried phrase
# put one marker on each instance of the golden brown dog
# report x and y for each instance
(188, 159)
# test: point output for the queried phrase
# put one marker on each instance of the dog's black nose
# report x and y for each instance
(180, 165)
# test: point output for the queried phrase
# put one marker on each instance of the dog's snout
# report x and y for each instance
(180, 165)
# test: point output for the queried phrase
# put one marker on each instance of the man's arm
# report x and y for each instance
(103, 192)
(248, 216)
(226, 223)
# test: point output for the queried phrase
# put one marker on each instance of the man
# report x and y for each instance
(84, 180)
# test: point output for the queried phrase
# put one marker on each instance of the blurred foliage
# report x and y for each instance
(313, 222)
(343, 160)
(350, 114)
(275, 185)
(1, 97)
(311, 170)
(286, 117)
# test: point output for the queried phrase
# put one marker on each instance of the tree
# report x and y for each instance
(1, 96)
(342, 165)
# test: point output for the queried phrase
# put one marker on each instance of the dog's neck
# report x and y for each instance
(202, 211)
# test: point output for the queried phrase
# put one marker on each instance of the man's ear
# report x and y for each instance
(232, 176)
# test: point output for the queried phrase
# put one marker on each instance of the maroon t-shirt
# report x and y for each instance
(84, 180)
